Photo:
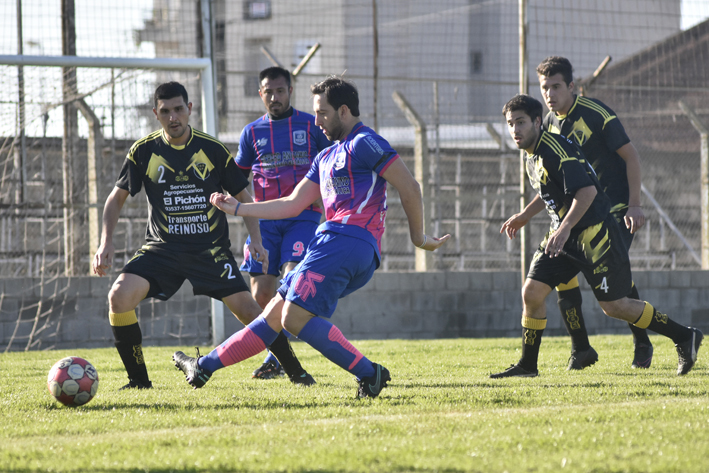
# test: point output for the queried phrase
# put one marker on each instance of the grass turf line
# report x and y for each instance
(441, 413)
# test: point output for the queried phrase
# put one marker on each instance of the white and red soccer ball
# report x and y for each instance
(73, 381)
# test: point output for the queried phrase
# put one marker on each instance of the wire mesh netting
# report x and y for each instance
(455, 61)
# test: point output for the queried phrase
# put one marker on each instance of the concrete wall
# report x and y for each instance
(71, 312)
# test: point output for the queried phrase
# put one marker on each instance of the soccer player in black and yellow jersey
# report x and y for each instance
(599, 133)
(583, 237)
(186, 237)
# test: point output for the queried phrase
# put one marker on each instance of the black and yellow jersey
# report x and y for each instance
(178, 181)
(558, 169)
(598, 132)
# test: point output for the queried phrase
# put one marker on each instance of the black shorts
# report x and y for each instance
(598, 252)
(211, 275)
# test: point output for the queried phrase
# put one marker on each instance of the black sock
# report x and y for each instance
(639, 334)
(532, 330)
(282, 350)
(662, 324)
(570, 305)
(128, 342)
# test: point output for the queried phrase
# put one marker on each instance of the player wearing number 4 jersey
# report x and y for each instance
(351, 178)
(186, 237)
(278, 148)
(584, 237)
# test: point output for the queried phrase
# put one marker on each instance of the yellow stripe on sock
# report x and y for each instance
(573, 284)
(645, 317)
(123, 319)
(534, 324)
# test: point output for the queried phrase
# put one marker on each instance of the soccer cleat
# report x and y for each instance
(373, 385)
(135, 384)
(304, 379)
(515, 371)
(194, 375)
(582, 359)
(268, 370)
(643, 356)
(687, 352)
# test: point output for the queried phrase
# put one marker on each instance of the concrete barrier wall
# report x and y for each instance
(72, 312)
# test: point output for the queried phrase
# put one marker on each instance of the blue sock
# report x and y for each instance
(271, 358)
(328, 340)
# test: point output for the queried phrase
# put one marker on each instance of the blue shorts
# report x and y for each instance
(285, 240)
(335, 265)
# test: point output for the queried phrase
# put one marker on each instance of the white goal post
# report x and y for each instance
(209, 111)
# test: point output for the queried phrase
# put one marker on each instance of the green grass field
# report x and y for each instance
(440, 413)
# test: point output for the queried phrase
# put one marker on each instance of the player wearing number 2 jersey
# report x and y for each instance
(186, 237)
(278, 149)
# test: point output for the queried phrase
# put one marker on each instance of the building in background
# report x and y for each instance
(469, 47)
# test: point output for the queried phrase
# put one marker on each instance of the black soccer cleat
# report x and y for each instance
(643, 356)
(303, 379)
(373, 385)
(687, 352)
(515, 371)
(268, 370)
(582, 359)
(135, 384)
(194, 375)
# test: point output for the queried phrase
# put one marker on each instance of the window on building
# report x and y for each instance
(476, 62)
(257, 9)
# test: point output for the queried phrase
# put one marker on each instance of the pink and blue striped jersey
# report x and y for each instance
(351, 186)
(280, 153)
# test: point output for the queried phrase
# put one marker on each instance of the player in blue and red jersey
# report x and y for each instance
(279, 148)
(351, 178)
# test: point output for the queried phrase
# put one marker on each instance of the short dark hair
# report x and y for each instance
(338, 92)
(273, 73)
(170, 90)
(526, 103)
(556, 65)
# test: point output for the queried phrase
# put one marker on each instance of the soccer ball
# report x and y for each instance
(73, 381)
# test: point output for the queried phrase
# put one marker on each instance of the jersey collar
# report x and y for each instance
(576, 100)
(165, 140)
(287, 114)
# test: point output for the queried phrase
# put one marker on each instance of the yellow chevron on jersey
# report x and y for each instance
(153, 170)
(554, 129)
(584, 102)
(595, 244)
(537, 172)
(580, 132)
(201, 164)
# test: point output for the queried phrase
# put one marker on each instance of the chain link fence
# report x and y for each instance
(455, 61)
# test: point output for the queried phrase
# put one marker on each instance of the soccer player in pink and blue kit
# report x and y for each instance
(279, 149)
(351, 178)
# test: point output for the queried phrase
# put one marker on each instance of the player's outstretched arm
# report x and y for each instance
(304, 194)
(398, 175)
(513, 224)
(103, 258)
(256, 248)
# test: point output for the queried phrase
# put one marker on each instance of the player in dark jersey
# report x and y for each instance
(278, 148)
(584, 237)
(351, 178)
(601, 136)
(186, 237)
